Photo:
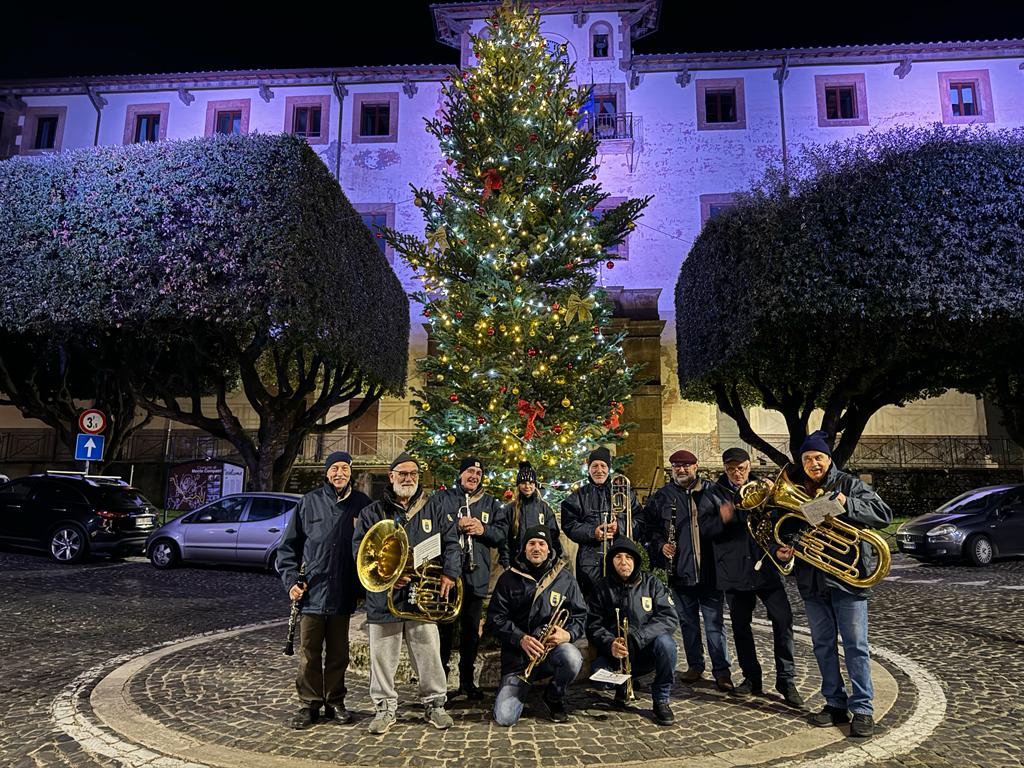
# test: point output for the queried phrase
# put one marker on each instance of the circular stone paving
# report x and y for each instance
(225, 700)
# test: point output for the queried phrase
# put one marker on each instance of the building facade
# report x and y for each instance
(689, 129)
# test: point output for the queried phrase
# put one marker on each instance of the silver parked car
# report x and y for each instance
(240, 529)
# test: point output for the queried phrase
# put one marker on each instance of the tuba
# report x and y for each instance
(832, 547)
(385, 556)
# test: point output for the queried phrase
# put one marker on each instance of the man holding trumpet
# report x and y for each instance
(537, 612)
(631, 621)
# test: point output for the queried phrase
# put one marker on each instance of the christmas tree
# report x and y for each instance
(524, 365)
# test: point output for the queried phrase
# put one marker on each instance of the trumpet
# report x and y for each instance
(558, 620)
(625, 668)
(468, 555)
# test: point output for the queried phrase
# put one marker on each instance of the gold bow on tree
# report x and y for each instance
(579, 308)
(437, 240)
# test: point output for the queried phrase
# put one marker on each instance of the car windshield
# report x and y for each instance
(121, 497)
(975, 498)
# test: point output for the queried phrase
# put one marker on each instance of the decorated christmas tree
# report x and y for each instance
(523, 365)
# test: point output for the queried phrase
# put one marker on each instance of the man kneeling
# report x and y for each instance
(628, 594)
(526, 599)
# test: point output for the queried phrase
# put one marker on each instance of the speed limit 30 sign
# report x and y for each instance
(92, 421)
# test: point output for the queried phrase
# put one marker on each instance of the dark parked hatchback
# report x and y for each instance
(71, 515)
(976, 526)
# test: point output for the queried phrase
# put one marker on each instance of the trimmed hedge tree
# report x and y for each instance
(886, 270)
(213, 262)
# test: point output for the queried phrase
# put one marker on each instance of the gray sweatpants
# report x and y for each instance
(424, 646)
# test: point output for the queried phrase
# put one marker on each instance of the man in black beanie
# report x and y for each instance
(746, 574)
(319, 537)
(525, 599)
(482, 528)
(528, 509)
(587, 519)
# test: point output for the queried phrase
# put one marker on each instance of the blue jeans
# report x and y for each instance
(840, 614)
(691, 604)
(562, 665)
(660, 655)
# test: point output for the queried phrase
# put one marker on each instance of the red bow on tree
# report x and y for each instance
(492, 182)
(531, 413)
(613, 418)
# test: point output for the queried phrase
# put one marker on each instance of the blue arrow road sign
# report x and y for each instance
(89, 447)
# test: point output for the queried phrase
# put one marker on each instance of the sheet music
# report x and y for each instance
(427, 549)
(824, 506)
(607, 676)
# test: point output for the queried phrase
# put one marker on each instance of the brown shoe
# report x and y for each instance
(691, 675)
(724, 683)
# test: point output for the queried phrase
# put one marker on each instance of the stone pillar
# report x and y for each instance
(636, 312)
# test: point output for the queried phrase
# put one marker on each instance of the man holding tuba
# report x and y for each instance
(537, 612)
(403, 502)
(640, 603)
(834, 608)
(745, 573)
(481, 528)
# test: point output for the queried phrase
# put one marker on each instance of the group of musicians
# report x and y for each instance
(696, 530)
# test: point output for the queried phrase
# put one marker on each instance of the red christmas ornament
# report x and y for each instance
(607, 423)
(458, 347)
(460, 166)
(476, 116)
(596, 329)
(481, 420)
(555, 307)
(610, 265)
(449, 160)
(519, 147)
(531, 352)
(570, 112)
(453, 397)
(568, 366)
(490, 331)
(503, 389)
(557, 429)
(593, 177)
(446, 130)
(533, 88)
(426, 313)
(458, 315)
(509, 495)
(533, 137)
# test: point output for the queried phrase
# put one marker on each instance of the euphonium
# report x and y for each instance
(385, 556)
(833, 546)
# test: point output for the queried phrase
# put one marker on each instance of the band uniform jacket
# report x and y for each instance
(513, 611)
(644, 600)
(420, 524)
(582, 512)
(683, 571)
(864, 509)
(522, 514)
(488, 511)
(736, 551)
(319, 535)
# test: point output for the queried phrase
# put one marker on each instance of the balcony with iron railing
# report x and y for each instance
(609, 125)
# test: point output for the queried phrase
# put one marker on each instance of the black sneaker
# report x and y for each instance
(663, 713)
(749, 688)
(556, 710)
(305, 718)
(619, 702)
(790, 694)
(472, 692)
(829, 716)
(862, 727)
(337, 713)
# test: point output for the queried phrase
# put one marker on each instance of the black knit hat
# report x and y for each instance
(337, 456)
(816, 441)
(537, 532)
(527, 474)
(402, 458)
(600, 454)
(470, 461)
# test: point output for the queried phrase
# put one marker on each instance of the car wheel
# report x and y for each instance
(164, 554)
(979, 550)
(68, 544)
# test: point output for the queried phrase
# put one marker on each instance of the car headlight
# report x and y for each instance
(944, 531)
(902, 528)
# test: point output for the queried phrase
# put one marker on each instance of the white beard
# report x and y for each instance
(401, 492)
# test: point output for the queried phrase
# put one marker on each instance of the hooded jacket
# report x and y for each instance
(672, 500)
(864, 509)
(516, 608)
(420, 523)
(524, 513)
(318, 535)
(642, 599)
(582, 512)
(736, 551)
(488, 511)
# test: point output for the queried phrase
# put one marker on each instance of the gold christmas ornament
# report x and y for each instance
(450, 439)
(566, 402)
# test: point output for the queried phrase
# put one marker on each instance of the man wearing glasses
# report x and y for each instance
(404, 502)
(677, 544)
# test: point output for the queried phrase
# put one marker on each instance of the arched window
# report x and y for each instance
(601, 41)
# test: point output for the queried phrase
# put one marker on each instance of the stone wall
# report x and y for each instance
(912, 492)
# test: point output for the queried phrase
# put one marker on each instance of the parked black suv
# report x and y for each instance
(976, 526)
(71, 515)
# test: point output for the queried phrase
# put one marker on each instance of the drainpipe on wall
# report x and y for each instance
(98, 103)
(340, 92)
(780, 74)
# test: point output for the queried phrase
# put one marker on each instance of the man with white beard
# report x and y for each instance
(404, 502)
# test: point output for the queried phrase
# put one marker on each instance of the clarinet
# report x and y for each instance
(293, 617)
(468, 555)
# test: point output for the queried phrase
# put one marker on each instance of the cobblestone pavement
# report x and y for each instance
(82, 638)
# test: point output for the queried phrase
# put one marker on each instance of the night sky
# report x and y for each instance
(172, 38)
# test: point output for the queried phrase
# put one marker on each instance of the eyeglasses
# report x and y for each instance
(412, 475)
(676, 465)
